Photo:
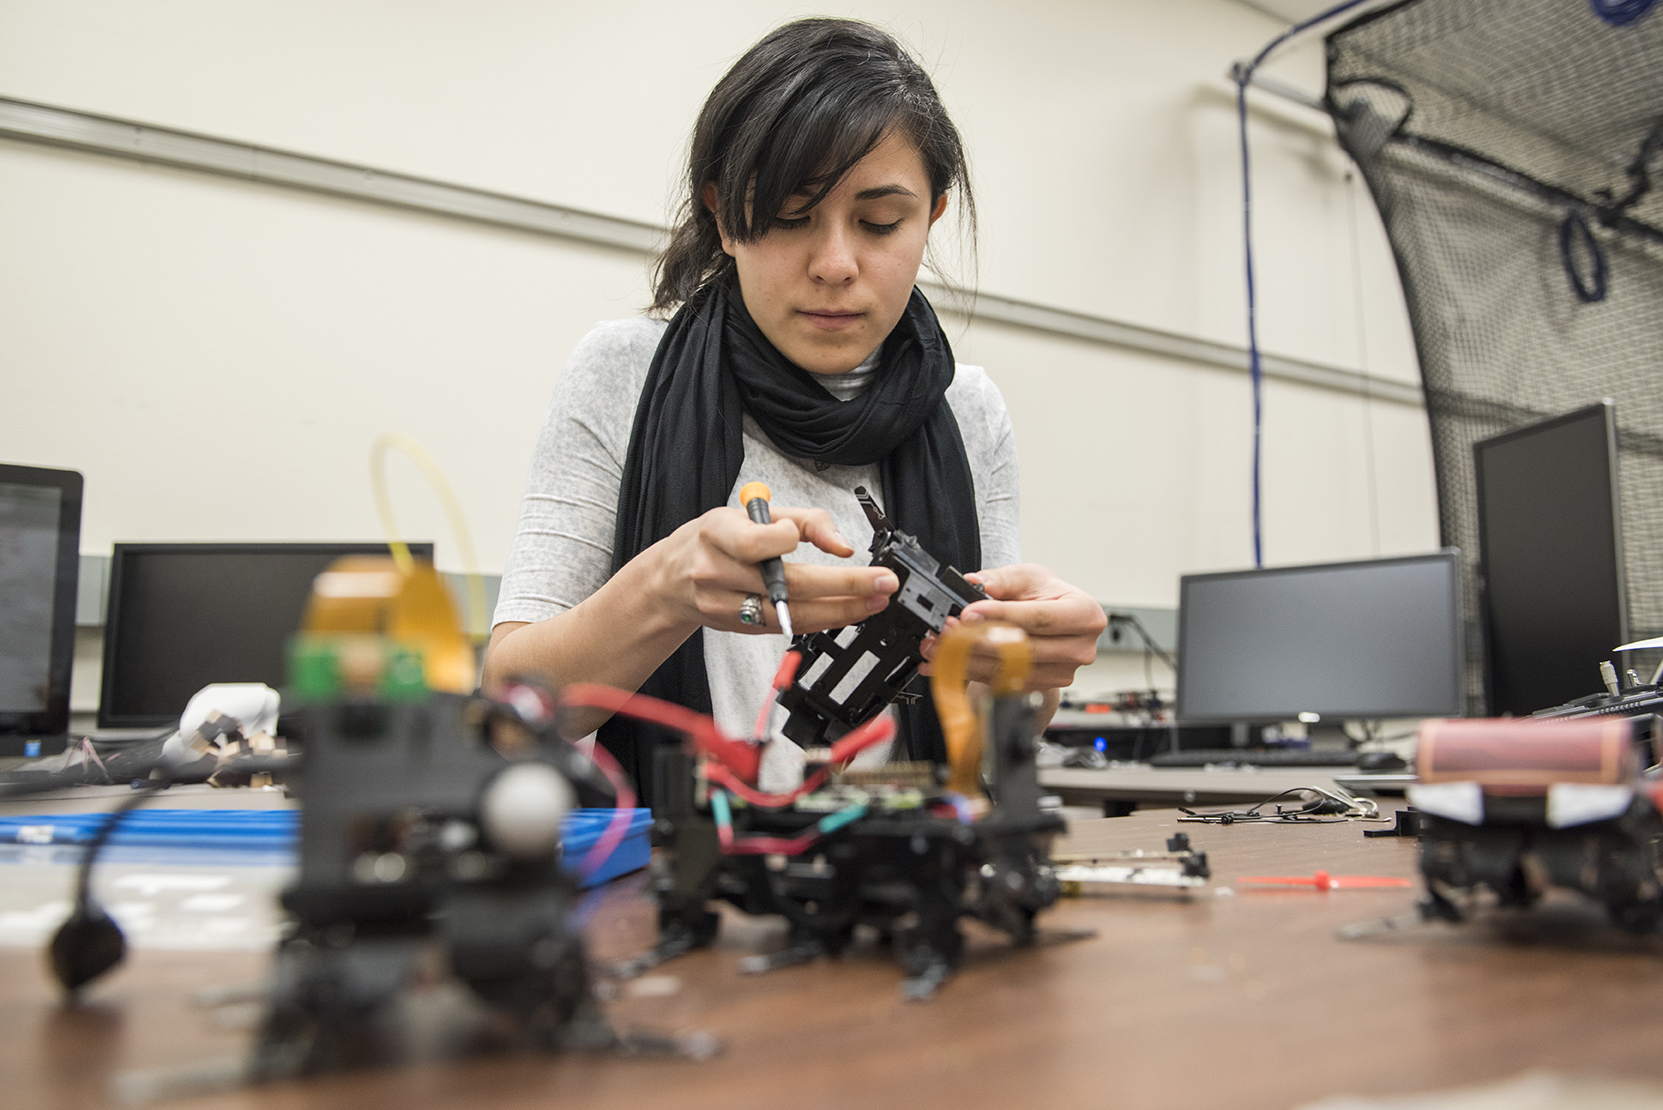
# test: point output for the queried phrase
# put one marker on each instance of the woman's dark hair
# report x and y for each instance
(792, 117)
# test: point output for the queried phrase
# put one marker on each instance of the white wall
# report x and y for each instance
(216, 356)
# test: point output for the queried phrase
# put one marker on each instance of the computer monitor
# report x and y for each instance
(183, 615)
(40, 552)
(1363, 640)
(1552, 594)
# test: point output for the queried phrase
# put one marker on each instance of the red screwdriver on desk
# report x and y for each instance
(1322, 880)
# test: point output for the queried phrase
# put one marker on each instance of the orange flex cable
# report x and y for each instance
(964, 733)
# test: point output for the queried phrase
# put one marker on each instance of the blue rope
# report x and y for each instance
(1620, 13)
(1252, 325)
(1244, 76)
(1575, 233)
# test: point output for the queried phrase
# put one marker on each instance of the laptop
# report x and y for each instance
(40, 553)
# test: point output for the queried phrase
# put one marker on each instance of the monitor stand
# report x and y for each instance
(1328, 736)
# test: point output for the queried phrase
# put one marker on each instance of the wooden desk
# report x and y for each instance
(1246, 1001)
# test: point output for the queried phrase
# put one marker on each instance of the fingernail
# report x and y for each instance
(873, 604)
(970, 616)
(886, 583)
(839, 537)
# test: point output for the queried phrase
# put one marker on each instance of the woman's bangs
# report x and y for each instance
(813, 144)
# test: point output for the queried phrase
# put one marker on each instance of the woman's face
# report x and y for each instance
(827, 286)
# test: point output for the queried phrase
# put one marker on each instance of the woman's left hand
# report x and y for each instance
(1062, 622)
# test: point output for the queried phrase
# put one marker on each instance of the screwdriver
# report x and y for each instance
(755, 497)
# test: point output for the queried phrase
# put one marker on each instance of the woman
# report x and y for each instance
(799, 354)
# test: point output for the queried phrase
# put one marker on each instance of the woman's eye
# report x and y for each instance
(789, 224)
(881, 229)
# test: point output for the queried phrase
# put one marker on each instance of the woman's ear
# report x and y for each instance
(711, 198)
(935, 212)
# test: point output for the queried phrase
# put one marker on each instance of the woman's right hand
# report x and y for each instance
(696, 576)
(703, 571)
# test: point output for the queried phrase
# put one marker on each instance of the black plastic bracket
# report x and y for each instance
(846, 678)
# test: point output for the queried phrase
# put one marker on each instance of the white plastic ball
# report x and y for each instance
(522, 808)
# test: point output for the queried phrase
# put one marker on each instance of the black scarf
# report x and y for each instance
(687, 446)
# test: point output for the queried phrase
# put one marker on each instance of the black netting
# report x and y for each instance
(1515, 150)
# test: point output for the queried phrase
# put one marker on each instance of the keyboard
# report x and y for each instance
(1247, 757)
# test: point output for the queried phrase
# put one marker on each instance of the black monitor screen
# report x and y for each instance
(185, 615)
(40, 527)
(1550, 559)
(1358, 641)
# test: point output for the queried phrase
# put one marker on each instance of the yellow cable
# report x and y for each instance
(950, 675)
(453, 509)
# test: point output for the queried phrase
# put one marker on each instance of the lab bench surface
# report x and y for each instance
(1246, 999)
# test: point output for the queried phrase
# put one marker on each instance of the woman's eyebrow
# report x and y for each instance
(874, 193)
(885, 191)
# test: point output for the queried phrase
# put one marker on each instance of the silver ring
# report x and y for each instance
(750, 610)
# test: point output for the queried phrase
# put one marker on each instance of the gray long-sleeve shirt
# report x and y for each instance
(562, 551)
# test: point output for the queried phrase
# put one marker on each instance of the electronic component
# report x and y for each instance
(1514, 808)
(374, 611)
(395, 855)
(1316, 805)
(430, 856)
(850, 675)
(890, 849)
(89, 942)
(1179, 870)
(420, 835)
(1641, 702)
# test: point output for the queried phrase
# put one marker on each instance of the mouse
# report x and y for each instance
(1380, 762)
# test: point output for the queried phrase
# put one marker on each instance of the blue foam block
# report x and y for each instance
(583, 827)
(265, 830)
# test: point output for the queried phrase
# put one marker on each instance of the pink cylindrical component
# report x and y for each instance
(1523, 756)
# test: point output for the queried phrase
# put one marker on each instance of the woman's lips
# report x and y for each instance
(832, 320)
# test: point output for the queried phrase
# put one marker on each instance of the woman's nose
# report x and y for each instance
(833, 259)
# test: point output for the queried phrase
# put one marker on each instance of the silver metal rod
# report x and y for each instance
(1182, 348)
(1287, 92)
(142, 142)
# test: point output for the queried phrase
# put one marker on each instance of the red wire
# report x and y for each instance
(717, 773)
(875, 731)
(771, 845)
(760, 845)
(782, 679)
(624, 800)
(741, 758)
(730, 763)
